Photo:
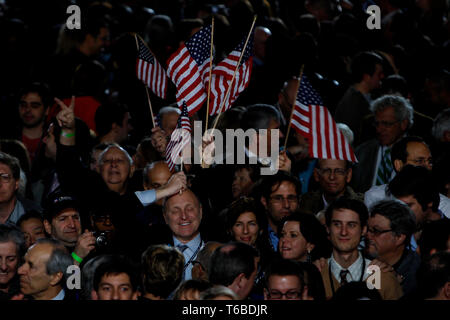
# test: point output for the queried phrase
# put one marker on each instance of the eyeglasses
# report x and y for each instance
(386, 124)
(5, 177)
(377, 232)
(111, 161)
(280, 199)
(422, 161)
(291, 295)
(337, 172)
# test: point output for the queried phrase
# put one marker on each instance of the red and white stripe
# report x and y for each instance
(326, 141)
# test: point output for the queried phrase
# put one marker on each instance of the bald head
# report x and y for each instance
(183, 214)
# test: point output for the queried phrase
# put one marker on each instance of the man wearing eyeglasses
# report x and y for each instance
(279, 196)
(333, 177)
(346, 222)
(409, 150)
(393, 117)
(390, 227)
(11, 208)
(284, 281)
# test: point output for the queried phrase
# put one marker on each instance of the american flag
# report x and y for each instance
(312, 120)
(223, 74)
(180, 137)
(188, 68)
(149, 70)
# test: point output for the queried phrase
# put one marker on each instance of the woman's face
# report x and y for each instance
(246, 228)
(292, 244)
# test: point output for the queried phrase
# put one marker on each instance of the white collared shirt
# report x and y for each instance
(354, 270)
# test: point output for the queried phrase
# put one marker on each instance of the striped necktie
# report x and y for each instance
(343, 275)
(385, 168)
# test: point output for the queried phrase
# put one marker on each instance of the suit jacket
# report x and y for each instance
(364, 170)
(312, 202)
(351, 110)
(390, 288)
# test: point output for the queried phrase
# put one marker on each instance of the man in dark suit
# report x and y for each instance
(393, 117)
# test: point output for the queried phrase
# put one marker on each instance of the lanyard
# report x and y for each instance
(331, 278)
(193, 256)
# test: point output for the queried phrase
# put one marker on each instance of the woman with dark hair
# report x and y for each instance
(302, 238)
(246, 222)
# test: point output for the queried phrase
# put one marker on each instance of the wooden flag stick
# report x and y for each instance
(210, 73)
(293, 106)
(146, 88)
(235, 72)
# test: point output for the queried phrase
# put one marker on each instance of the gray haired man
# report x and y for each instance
(43, 274)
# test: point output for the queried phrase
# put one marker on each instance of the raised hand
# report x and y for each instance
(66, 117)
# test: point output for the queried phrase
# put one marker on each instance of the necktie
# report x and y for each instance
(385, 168)
(182, 247)
(343, 276)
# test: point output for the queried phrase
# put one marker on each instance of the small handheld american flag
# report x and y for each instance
(149, 71)
(312, 120)
(180, 138)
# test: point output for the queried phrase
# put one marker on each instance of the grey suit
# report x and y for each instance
(364, 170)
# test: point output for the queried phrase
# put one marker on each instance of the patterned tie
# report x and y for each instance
(182, 247)
(385, 168)
(343, 276)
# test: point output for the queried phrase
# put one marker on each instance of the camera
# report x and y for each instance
(101, 239)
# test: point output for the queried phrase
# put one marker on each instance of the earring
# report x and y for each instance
(308, 256)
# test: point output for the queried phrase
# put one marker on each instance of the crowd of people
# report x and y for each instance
(84, 179)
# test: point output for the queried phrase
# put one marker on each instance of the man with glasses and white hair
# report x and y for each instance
(393, 118)
(333, 177)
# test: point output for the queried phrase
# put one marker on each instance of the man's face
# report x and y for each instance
(415, 207)
(115, 287)
(34, 279)
(242, 183)
(380, 244)
(169, 122)
(374, 81)
(65, 227)
(332, 176)
(33, 229)
(345, 230)
(115, 167)
(8, 262)
(183, 214)
(388, 128)
(157, 177)
(100, 41)
(32, 111)
(286, 286)
(282, 201)
(8, 185)
(418, 155)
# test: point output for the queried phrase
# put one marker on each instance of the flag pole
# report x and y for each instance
(210, 73)
(209, 84)
(293, 106)
(146, 88)
(234, 75)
